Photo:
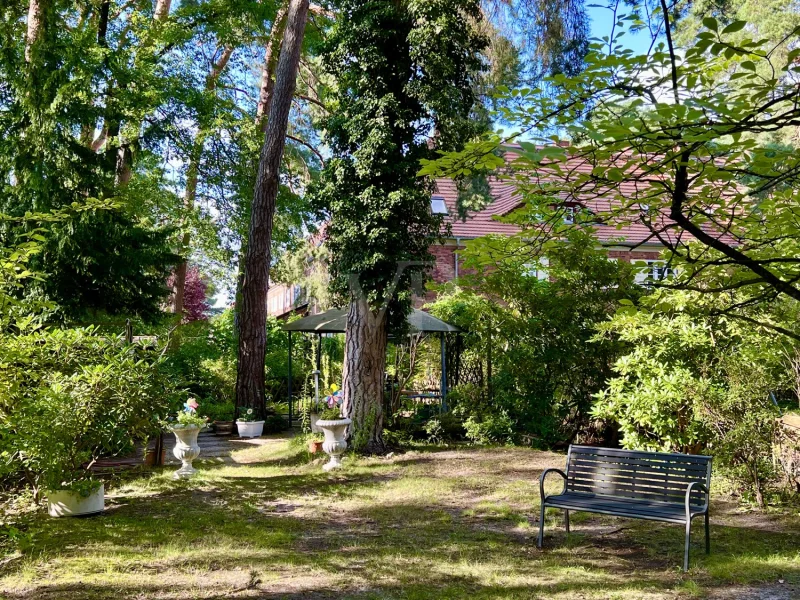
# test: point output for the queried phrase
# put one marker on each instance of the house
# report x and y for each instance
(284, 299)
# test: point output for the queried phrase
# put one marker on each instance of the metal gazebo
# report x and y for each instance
(335, 321)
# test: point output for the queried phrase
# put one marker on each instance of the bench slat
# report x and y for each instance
(638, 462)
(664, 478)
(659, 456)
(625, 491)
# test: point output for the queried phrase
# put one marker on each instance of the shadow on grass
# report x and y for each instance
(315, 535)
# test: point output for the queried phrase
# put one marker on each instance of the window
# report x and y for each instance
(438, 205)
(539, 269)
(570, 213)
(653, 270)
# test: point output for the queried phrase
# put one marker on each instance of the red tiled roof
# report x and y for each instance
(507, 198)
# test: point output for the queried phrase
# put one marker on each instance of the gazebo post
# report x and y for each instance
(289, 381)
(443, 390)
(319, 351)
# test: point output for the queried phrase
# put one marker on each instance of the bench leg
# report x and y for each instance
(686, 549)
(566, 520)
(708, 537)
(541, 528)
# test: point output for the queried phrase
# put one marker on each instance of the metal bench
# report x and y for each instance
(657, 486)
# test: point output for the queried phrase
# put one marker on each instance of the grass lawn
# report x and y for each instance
(429, 524)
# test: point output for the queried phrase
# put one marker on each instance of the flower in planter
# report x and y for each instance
(190, 406)
(248, 416)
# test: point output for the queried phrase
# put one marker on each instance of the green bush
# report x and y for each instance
(694, 382)
(69, 397)
(275, 424)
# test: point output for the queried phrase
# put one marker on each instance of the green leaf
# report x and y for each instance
(733, 27)
(710, 23)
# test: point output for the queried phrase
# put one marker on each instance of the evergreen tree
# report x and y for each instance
(404, 74)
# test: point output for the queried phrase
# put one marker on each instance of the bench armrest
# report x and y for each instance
(689, 489)
(542, 478)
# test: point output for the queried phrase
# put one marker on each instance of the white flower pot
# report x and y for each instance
(314, 417)
(186, 450)
(250, 429)
(334, 444)
(66, 503)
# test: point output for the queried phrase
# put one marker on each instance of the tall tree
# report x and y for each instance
(403, 72)
(253, 313)
(676, 142)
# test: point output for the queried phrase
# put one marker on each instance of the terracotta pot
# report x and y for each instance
(150, 456)
(223, 427)
(314, 446)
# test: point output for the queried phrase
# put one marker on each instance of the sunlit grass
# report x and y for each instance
(442, 524)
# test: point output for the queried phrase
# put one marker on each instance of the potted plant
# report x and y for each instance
(186, 429)
(315, 443)
(334, 428)
(316, 408)
(221, 415)
(248, 426)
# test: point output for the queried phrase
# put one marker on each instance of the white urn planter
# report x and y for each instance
(334, 444)
(313, 418)
(250, 429)
(66, 503)
(186, 450)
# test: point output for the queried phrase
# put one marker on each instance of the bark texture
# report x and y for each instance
(161, 10)
(190, 191)
(253, 313)
(36, 9)
(271, 53)
(362, 378)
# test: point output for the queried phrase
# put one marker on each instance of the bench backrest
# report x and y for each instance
(654, 476)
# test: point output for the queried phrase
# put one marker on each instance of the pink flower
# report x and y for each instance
(192, 403)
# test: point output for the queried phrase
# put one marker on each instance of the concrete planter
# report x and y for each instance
(334, 444)
(186, 450)
(250, 429)
(66, 503)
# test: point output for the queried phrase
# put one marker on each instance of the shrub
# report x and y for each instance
(68, 397)
(692, 382)
(275, 424)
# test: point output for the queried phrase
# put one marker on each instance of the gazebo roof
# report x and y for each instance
(335, 320)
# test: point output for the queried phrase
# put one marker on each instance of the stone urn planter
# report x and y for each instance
(186, 450)
(250, 429)
(334, 444)
(67, 503)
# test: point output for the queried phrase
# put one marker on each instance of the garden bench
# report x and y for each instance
(673, 488)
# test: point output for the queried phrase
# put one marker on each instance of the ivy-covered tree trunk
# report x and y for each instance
(36, 9)
(402, 70)
(253, 312)
(364, 368)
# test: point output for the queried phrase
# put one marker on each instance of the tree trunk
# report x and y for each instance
(362, 378)
(253, 313)
(268, 70)
(190, 193)
(36, 10)
(161, 10)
